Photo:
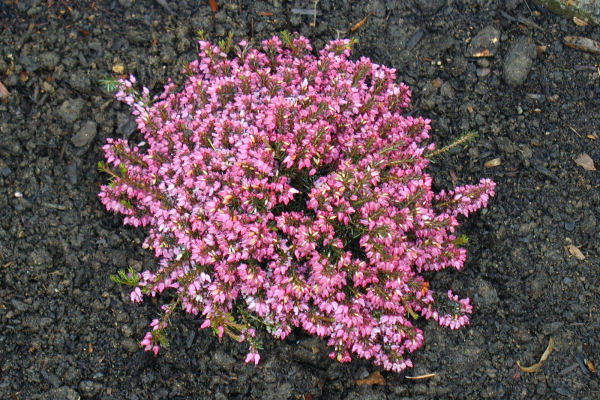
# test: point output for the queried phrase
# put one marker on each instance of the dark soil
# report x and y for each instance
(68, 332)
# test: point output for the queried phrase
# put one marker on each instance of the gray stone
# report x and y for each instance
(5, 171)
(48, 60)
(125, 3)
(28, 63)
(362, 373)
(430, 6)
(549, 329)
(89, 389)
(137, 36)
(377, 7)
(64, 393)
(70, 110)
(589, 223)
(3, 66)
(486, 294)
(19, 305)
(518, 61)
(224, 360)
(447, 90)
(130, 345)
(126, 124)
(85, 135)
(485, 43)
(80, 81)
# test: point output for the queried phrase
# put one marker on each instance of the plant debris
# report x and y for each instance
(424, 376)
(585, 161)
(544, 357)
(492, 163)
(4, 93)
(374, 378)
(583, 44)
(574, 251)
(360, 23)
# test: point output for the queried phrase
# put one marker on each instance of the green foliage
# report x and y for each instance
(160, 337)
(123, 169)
(110, 84)
(461, 240)
(200, 34)
(102, 167)
(129, 277)
(286, 37)
(226, 44)
(462, 140)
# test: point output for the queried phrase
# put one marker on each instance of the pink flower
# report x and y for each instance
(252, 357)
(285, 189)
(136, 295)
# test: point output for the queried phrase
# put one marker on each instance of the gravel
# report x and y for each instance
(68, 332)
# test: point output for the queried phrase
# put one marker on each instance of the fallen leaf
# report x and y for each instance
(360, 23)
(583, 44)
(544, 357)
(425, 376)
(213, 5)
(90, 348)
(492, 163)
(574, 251)
(589, 364)
(592, 136)
(3, 91)
(374, 379)
(585, 161)
(118, 69)
(579, 22)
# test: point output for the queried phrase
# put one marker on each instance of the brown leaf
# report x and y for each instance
(118, 68)
(574, 251)
(360, 23)
(583, 44)
(589, 364)
(3, 91)
(213, 5)
(492, 163)
(579, 22)
(374, 379)
(585, 161)
(544, 357)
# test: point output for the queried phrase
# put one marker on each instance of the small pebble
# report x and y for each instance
(519, 60)
(485, 43)
(70, 110)
(85, 135)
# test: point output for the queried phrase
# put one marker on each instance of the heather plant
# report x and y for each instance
(283, 189)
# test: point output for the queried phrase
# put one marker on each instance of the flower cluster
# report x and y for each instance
(283, 189)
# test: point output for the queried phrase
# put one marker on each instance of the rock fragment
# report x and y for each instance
(485, 43)
(430, 6)
(85, 135)
(518, 61)
(70, 110)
